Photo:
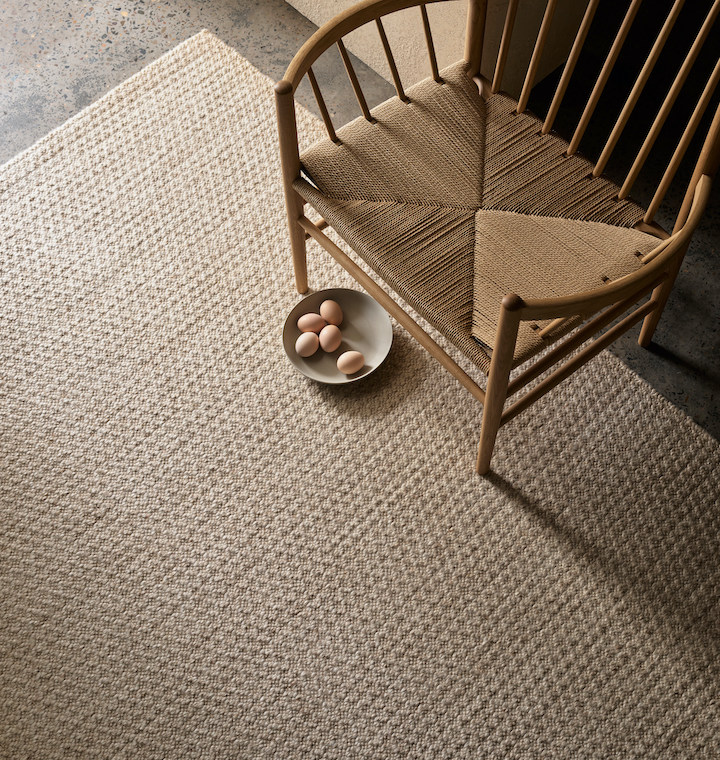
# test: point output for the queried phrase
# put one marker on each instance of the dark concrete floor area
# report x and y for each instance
(58, 56)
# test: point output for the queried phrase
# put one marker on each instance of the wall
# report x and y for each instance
(447, 20)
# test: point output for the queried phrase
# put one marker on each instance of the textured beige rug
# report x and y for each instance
(204, 555)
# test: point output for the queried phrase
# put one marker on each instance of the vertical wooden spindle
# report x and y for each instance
(684, 144)
(638, 88)
(570, 65)
(391, 62)
(321, 105)
(669, 101)
(504, 45)
(352, 76)
(536, 55)
(604, 76)
(430, 45)
(475, 35)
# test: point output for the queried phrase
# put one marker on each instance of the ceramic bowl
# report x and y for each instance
(365, 327)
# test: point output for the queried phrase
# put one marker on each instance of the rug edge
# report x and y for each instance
(101, 100)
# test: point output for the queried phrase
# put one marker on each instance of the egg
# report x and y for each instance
(331, 312)
(350, 362)
(311, 323)
(330, 338)
(307, 344)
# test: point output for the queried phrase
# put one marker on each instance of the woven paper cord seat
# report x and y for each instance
(455, 201)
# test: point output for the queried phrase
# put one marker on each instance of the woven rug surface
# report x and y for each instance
(205, 555)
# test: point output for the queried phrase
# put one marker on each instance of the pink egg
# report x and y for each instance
(350, 362)
(307, 344)
(330, 338)
(311, 323)
(331, 312)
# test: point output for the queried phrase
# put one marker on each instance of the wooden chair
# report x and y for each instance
(490, 225)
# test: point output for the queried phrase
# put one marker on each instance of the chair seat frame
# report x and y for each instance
(598, 308)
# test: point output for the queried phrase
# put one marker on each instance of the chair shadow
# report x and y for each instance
(670, 356)
(673, 575)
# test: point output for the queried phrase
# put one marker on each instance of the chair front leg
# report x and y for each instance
(498, 378)
(290, 163)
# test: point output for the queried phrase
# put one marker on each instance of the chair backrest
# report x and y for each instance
(656, 43)
(372, 12)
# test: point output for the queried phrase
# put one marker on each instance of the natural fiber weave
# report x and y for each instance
(428, 151)
(431, 261)
(546, 257)
(450, 151)
(205, 555)
(527, 172)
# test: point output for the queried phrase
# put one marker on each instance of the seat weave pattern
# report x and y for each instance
(455, 201)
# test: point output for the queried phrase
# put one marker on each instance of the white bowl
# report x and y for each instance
(365, 327)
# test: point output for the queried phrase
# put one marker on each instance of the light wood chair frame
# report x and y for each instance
(598, 308)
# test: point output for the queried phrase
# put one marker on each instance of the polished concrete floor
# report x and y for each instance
(58, 56)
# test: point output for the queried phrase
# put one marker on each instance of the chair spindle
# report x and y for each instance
(430, 45)
(536, 55)
(638, 87)
(604, 76)
(570, 65)
(504, 45)
(352, 76)
(684, 143)
(391, 62)
(321, 105)
(669, 101)
(475, 35)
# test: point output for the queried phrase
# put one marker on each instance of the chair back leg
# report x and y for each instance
(660, 295)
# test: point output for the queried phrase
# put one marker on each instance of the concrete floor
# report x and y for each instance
(57, 56)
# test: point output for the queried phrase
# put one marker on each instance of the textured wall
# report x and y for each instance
(447, 20)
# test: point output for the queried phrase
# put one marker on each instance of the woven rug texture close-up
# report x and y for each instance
(203, 554)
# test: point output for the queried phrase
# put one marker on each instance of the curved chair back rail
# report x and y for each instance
(367, 11)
